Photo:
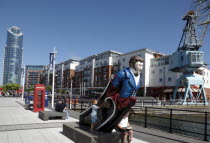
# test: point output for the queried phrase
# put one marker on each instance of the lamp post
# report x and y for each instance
(84, 90)
(23, 78)
(70, 95)
(80, 89)
(53, 78)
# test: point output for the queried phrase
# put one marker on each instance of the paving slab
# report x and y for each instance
(13, 137)
(51, 135)
(3, 137)
(11, 114)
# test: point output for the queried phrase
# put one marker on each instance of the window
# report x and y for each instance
(160, 70)
(153, 71)
(196, 57)
(105, 63)
(182, 58)
(169, 78)
(104, 77)
(160, 79)
(123, 59)
(105, 69)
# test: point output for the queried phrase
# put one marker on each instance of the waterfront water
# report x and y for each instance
(179, 125)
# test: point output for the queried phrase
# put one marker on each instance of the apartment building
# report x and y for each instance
(64, 73)
(45, 76)
(92, 73)
(69, 73)
(33, 74)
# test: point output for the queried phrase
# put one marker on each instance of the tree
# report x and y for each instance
(30, 88)
(59, 91)
(14, 86)
(66, 91)
(11, 87)
(49, 88)
(5, 88)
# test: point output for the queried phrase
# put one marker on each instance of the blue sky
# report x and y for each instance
(80, 28)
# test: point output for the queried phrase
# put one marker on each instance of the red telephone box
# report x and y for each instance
(39, 98)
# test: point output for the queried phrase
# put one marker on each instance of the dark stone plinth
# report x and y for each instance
(46, 115)
(80, 134)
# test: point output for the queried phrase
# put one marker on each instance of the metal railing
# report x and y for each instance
(76, 104)
(176, 121)
(187, 122)
(154, 102)
(79, 105)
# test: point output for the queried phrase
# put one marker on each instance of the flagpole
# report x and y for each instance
(70, 94)
(84, 90)
(53, 79)
(80, 89)
(23, 81)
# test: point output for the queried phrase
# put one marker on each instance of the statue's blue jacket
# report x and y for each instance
(125, 81)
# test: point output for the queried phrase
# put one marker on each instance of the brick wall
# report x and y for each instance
(207, 93)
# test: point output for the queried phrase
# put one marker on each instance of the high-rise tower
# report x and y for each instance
(13, 55)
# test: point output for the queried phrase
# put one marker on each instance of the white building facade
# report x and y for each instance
(93, 73)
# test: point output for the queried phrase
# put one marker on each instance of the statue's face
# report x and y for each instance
(138, 66)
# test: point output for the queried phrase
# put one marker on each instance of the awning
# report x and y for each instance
(181, 90)
(168, 90)
(192, 89)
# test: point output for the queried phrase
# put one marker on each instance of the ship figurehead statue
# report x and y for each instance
(117, 98)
